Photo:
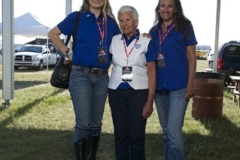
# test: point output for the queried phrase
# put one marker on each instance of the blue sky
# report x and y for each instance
(202, 13)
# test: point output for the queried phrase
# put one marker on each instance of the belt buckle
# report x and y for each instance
(96, 71)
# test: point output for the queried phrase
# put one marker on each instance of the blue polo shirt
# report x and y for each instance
(88, 38)
(175, 75)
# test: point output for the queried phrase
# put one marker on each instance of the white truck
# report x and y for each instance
(36, 56)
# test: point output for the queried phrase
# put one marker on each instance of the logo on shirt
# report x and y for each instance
(137, 46)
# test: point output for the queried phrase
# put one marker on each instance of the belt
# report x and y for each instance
(93, 71)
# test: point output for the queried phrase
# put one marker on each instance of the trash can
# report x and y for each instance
(208, 98)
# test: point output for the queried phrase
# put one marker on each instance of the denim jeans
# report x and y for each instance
(171, 108)
(88, 95)
(129, 125)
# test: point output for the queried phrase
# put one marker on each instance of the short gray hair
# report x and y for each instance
(130, 9)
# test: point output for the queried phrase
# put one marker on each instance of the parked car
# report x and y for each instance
(228, 61)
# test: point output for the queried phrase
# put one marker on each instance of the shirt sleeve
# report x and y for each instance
(192, 39)
(151, 54)
(66, 26)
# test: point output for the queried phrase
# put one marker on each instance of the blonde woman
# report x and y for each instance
(89, 77)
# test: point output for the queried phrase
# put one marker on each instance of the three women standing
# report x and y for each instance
(132, 82)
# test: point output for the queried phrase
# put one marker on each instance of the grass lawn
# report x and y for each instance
(38, 125)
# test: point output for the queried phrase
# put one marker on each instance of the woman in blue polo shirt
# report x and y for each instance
(173, 36)
(89, 77)
(131, 86)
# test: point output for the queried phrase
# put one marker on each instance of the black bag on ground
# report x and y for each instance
(61, 74)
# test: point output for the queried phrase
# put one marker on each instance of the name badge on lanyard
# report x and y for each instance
(102, 51)
(161, 55)
(102, 55)
(127, 72)
(161, 59)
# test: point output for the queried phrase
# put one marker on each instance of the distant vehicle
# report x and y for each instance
(228, 61)
(36, 56)
(201, 54)
(202, 51)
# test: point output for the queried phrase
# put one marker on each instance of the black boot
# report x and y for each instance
(80, 149)
(93, 146)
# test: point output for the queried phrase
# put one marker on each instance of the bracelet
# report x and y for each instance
(67, 53)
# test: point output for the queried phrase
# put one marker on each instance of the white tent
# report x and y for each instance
(19, 41)
(8, 29)
(28, 24)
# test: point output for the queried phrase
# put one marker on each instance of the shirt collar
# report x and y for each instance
(135, 36)
(168, 27)
(89, 14)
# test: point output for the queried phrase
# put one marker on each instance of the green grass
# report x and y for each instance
(38, 125)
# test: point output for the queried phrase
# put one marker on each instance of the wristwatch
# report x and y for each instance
(67, 53)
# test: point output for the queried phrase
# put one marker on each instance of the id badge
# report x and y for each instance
(102, 55)
(127, 74)
(161, 60)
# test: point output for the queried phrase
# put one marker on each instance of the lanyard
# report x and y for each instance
(162, 37)
(102, 31)
(125, 48)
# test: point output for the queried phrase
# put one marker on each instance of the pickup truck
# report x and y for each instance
(35, 56)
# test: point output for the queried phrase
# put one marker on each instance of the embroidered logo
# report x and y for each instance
(137, 46)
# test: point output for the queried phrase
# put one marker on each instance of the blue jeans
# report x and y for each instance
(88, 95)
(171, 108)
(129, 125)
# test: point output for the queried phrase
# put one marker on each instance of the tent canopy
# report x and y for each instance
(29, 24)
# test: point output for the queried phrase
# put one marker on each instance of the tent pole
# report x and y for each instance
(216, 36)
(48, 55)
(7, 46)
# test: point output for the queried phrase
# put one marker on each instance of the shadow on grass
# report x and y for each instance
(56, 144)
(26, 84)
(21, 111)
(29, 83)
(33, 70)
(221, 143)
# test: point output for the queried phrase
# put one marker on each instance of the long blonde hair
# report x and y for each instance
(106, 9)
